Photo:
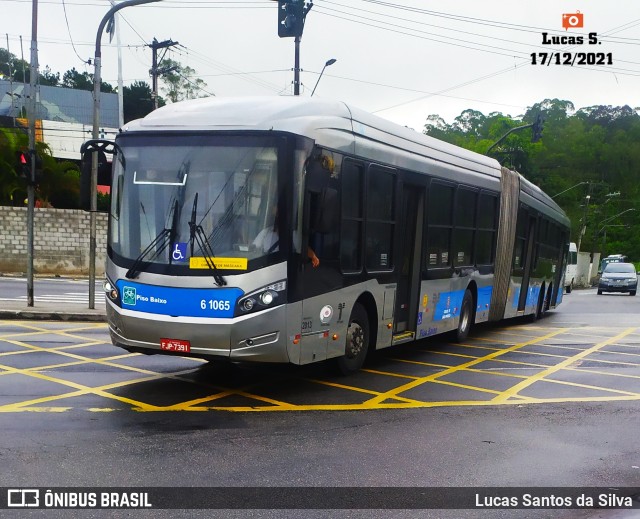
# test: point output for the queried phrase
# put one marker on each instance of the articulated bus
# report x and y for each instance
(414, 237)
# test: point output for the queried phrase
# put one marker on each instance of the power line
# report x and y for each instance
(64, 8)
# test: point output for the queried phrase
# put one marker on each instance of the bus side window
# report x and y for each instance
(380, 218)
(465, 216)
(440, 220)
(352, 217)
(487, 226)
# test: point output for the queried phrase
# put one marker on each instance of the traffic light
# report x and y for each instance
(290, 18)
(23, 164)
(537, 128)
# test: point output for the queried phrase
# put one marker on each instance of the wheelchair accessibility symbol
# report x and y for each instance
(179, 252)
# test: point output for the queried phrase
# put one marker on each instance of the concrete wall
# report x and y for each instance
(61, 241)
(587, 269)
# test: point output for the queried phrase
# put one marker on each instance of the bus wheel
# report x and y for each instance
(569, 287)
(466, 316)
(357, 343)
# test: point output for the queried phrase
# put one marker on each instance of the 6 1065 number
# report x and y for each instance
(214, 304)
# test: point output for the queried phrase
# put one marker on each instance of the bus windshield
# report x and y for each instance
(177, 200)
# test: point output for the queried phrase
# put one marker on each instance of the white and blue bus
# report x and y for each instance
(414, 237)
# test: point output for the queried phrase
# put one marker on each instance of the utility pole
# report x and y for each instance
(583, 229)
(291, 17)
(31, 193)
(155, 71)
(296, 69)
(95, 134)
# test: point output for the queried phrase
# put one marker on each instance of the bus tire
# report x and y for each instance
(356, 343)
(569, 287)
(466, 316)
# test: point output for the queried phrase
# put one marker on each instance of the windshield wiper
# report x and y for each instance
(196, 233)
(164, 238)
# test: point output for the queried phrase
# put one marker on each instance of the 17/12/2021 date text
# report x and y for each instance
(571, 58)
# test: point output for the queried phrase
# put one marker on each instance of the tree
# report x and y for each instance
(469, 122)
(48, 78)
(83, 81)
(13, 68)
(181, 82)
(137, 100)
(595, 150)
(11, 141)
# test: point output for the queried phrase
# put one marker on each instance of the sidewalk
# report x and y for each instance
(54, 300)
(50, 311)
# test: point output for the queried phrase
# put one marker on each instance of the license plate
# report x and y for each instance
(177, 345)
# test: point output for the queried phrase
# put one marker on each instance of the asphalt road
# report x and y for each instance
(563, 432)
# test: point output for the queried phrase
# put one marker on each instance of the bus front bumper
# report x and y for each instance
(259, 337)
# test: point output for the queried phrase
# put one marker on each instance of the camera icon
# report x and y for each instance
(572, 20)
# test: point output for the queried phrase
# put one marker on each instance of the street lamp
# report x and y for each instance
(604, 227)
(96, 135)
(616, 215)
(561, 192)
(327, 64)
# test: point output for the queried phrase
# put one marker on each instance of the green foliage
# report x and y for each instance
(83, 81)
(137, 101)
(180, 81)
(59, 182)
(12, 67)
(593, 151)
(11, 140)
(49, 78)
(103, 202)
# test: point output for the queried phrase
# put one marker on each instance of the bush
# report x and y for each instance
(104, 201)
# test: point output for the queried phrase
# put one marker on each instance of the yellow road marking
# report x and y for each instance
(588, 386)
(435, 376)
(506, 395)
(465, 386)
(597, 372)
(391, 399)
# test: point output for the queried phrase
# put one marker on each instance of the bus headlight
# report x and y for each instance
(266, 298)
(110, 290)
(262, 298)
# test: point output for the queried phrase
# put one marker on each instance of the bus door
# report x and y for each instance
(411, 221)
(528, 262)
(318, 283)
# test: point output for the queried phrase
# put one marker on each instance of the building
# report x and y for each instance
(65, 115)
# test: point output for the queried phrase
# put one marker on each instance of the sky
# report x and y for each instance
(400, 59)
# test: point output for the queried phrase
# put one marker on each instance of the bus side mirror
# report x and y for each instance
(326, 217)
(102, 147)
